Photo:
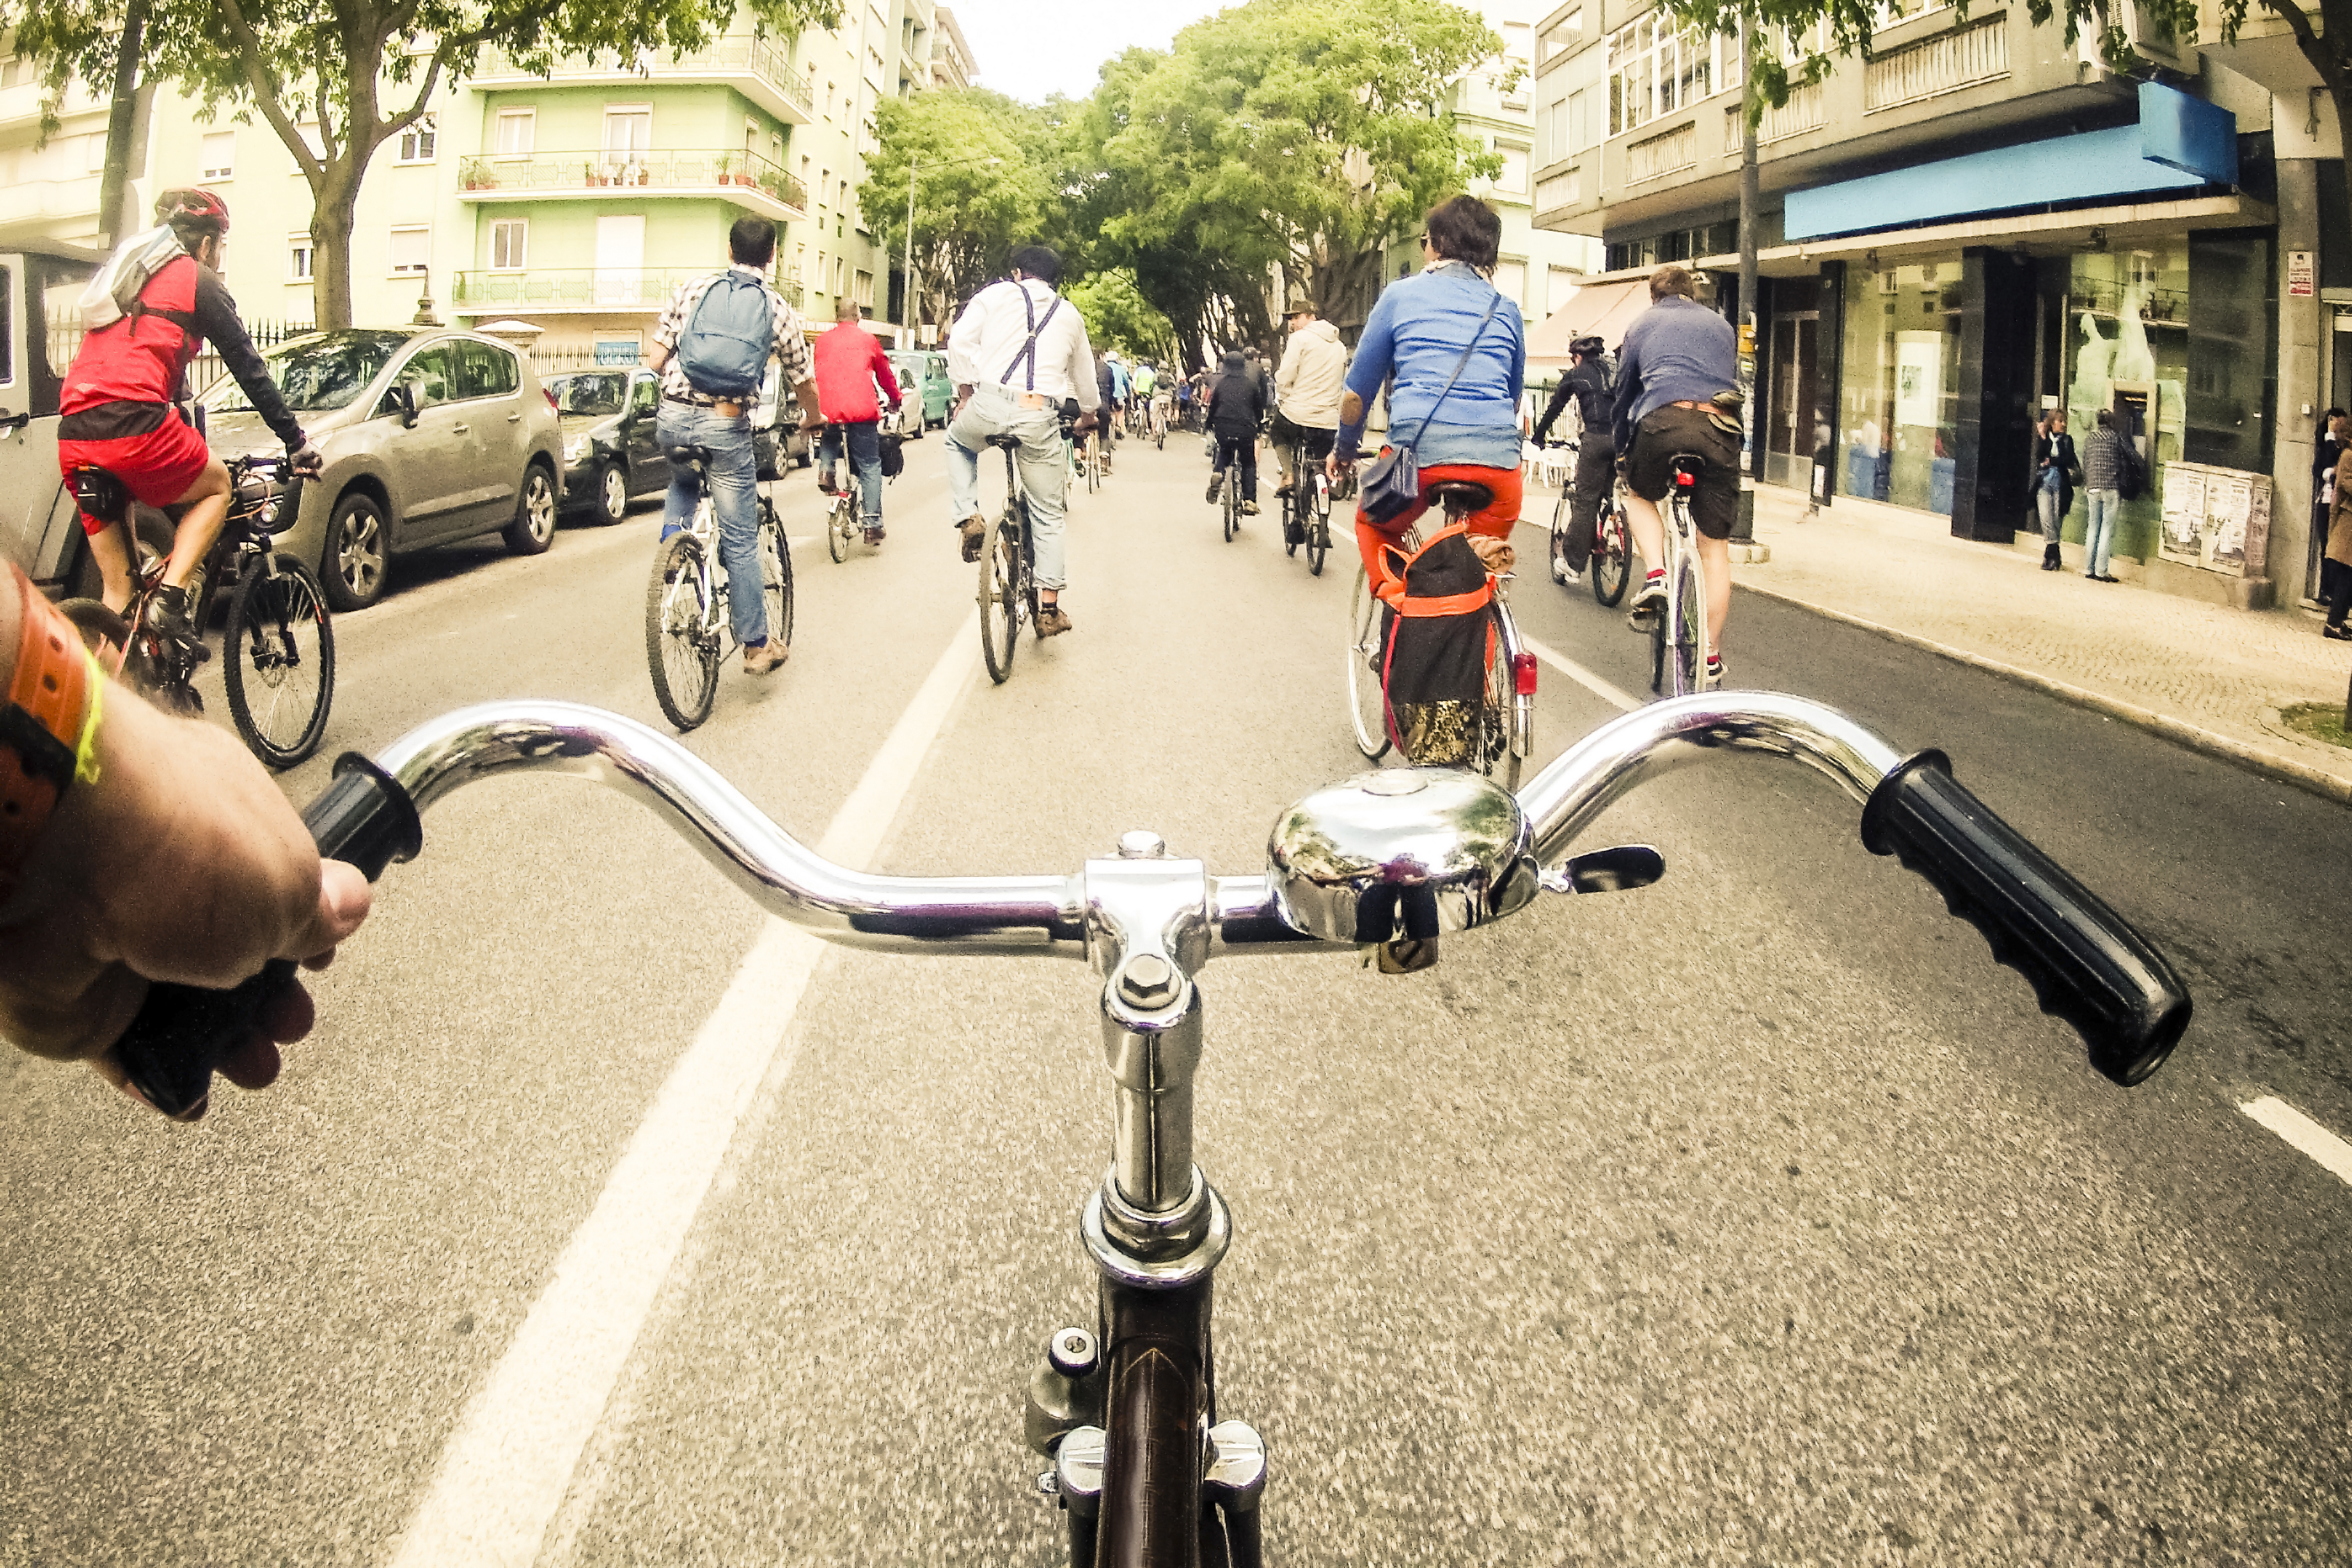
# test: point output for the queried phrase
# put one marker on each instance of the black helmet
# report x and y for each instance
(1586, 348)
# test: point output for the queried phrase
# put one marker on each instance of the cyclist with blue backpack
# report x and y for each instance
(711, 349)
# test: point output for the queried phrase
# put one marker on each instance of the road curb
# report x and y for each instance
(2303, 775)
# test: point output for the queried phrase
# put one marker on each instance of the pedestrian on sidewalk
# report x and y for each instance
(2335, 566)
(2054, 470)
(2104, 457)
(2327, 450)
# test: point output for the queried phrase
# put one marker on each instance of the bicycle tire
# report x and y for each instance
(1497, 759)
(836, 528)
(775, 574)
(277, 606)
(1559, 561)
(1612, 555)
(1366, 703)
(1157, 1390)
(1688, 600)
(108, 635)
(1000, 586)
(1233, 509)
(1294, 513)
(680, 652)
(1319, 530)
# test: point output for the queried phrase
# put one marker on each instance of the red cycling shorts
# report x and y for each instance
(159, 467)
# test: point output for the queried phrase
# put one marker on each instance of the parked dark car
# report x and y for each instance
(610, 455)
(40, 530)
(777, 439)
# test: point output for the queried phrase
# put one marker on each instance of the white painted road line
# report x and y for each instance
(505, 1471)
(1580, 676)
(2334, 1154)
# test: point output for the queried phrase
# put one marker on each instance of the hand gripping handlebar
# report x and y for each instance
(2086, 963)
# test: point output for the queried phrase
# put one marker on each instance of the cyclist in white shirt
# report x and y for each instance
(1017, 353)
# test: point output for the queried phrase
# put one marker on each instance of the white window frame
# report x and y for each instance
(423, 133)
(301, 258)
(1643, 50)
(1526, 169)
(221, 175)
(420, 268)
(527, 119)
(520, 229)
(641, 113)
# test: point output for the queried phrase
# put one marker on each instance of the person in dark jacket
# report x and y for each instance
(1587, 385)
(2054, 468)
(2327, 451)
(1107, 384)
(1236, 413)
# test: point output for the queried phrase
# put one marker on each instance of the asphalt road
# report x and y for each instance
(1753, 1217)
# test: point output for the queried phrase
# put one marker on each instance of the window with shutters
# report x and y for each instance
(412, 250)
(218, 160)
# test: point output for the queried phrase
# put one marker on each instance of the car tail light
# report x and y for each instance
(1523, 674)
(550, 396)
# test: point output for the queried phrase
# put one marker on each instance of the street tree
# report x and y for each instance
(982, 187)
(335, 81)
(1118, 316)
(1294, 140)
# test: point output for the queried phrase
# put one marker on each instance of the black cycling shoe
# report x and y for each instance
(167, 615)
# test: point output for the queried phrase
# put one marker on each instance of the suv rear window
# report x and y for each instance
(485, 369)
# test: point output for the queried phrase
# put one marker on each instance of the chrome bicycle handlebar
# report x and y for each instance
(1404, 854)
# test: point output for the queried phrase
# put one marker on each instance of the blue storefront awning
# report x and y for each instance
(2179, 144)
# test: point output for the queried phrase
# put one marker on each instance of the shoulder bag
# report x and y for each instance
(1392, 483)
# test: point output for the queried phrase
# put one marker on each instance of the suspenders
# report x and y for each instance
(1029, 349)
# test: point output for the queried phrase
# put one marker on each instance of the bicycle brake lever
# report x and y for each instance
(1619, 870)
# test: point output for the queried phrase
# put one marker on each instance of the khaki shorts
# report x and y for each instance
(1665, 434)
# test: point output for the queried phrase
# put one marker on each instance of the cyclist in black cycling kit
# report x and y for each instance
(1587, 383)
(1676, 369)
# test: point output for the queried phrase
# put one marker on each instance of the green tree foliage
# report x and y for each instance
(1119, 317)
(337, 80)
(1281, 139)
(985, 185)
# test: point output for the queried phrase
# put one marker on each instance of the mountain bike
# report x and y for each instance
(1307, 510)
(1229, 487)
(1506, 716)
(278, 652)
(1611, 561)
(1147, 1467)
(688, 631)
(1678, 647)
(1008, 564)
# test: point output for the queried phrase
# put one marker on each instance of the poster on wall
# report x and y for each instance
(1919, 378)
(2183, 536)
(2238, 522)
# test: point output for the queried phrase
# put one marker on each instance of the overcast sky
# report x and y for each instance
(1031, 50)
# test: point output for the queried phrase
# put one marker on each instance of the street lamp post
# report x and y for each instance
(907, 310)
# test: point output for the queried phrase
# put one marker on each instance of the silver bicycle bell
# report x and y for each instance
(1403, 855)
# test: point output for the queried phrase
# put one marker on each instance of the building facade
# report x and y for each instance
(951, 60)
(1971, 225)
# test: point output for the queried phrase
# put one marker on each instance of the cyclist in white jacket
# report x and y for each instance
(1307, 389)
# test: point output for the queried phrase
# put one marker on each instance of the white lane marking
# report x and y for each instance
(1579, 674)
(504, 1474)
(2334, 1154)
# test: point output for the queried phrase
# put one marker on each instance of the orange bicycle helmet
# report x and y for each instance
(190, 206)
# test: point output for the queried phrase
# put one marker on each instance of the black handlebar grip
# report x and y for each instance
(169, 1050)
(2086, 963)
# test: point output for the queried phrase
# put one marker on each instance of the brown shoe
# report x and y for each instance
(1051, 622)
(767, 656)
(975, 534)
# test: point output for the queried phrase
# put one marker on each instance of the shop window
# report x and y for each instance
(2127, 335)
(2233, 362)
(1901, 382)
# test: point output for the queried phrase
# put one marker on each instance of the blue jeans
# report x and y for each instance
(2045, 498)
(2099, 539)
(734, 493)
(865, 455)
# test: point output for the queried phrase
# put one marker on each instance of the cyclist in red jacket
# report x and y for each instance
(119, 399)
(850, 362)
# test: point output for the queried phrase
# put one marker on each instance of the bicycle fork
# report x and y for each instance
(1127, 1412)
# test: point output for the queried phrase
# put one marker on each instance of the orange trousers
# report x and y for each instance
(1498, 517)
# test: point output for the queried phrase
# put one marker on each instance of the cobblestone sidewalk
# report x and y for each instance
(2212, 677)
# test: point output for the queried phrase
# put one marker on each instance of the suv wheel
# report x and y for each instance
(352, 568)
(533, 529)
(612, 498)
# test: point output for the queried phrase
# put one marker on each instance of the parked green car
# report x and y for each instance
(923, 384)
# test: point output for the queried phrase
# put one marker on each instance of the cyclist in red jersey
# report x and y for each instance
(118, 404)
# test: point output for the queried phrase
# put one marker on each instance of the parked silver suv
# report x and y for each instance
(429, 436)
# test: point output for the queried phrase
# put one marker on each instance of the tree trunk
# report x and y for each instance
(334, 197)
(121, 124)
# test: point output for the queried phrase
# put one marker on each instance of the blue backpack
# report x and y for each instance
(725, 347)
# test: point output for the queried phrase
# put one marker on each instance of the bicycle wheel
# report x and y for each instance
(1233, 508)
(1000, 599)
(1318, 528)
(836, 528)
(1293, 514)
(1612, 555)
(1367, 705)
(1560, 539)
(1689, 604)
(277, 660)
(775, 574)
(681, 648)
(1497, 759)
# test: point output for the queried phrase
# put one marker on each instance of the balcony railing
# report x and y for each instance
(1665, 154)
(1806, 109)
(571, 288)
(565, 173)
(1944, 63)
(771, 62)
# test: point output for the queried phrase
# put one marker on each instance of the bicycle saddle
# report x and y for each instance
(1005, 443)
(1463, 494)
